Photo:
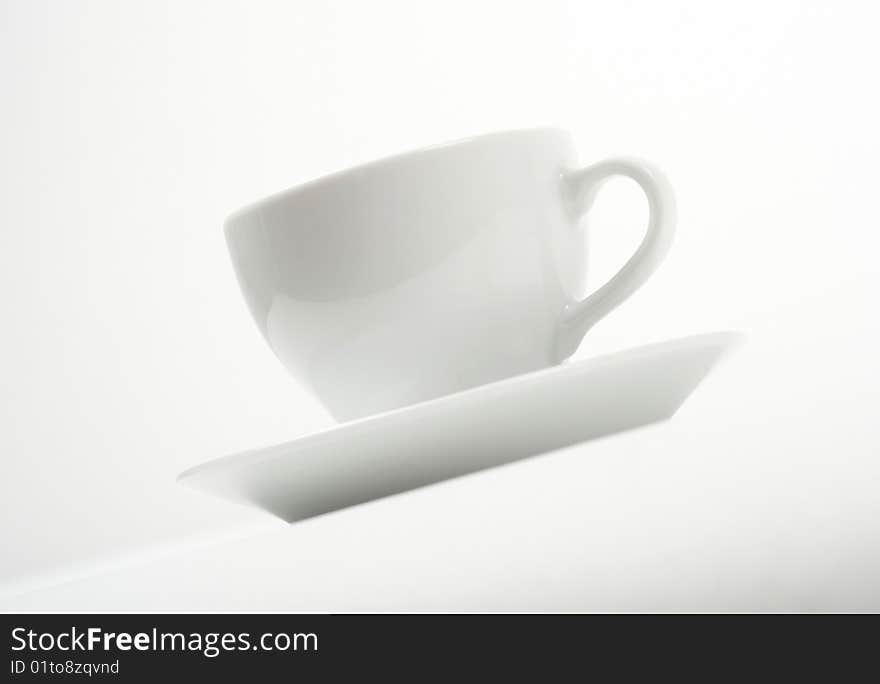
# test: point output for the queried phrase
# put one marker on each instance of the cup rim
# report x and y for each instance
(389, 159)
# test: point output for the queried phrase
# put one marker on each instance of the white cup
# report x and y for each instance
(437, 270)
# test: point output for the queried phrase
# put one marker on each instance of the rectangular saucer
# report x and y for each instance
(462, 433)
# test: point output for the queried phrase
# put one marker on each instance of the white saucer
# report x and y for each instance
(461, 433)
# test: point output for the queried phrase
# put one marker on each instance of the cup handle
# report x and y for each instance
(582, 186)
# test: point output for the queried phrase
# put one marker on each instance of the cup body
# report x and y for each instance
(416, 276)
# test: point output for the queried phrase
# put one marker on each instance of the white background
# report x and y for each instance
(128, 130)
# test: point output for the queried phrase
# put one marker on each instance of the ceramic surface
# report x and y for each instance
(437, 270)
(465, 432)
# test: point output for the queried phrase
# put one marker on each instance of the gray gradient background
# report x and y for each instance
(129, 129)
